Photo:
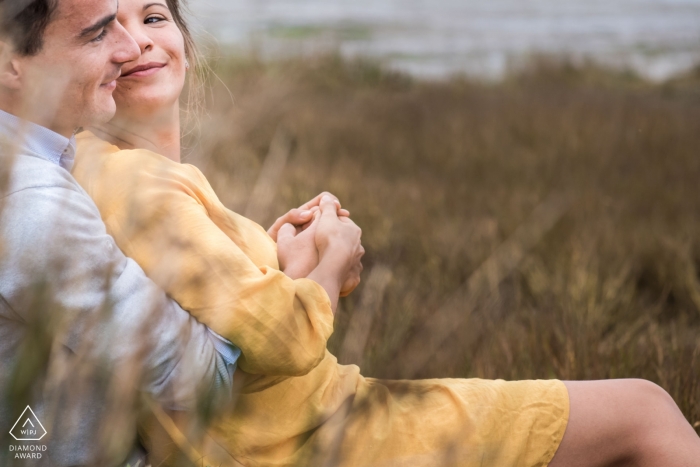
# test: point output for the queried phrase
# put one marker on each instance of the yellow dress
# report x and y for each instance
(306, 409)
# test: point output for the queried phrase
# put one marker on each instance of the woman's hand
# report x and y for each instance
(340, 251)
(303, 216)
(296, 249)
(353, 279)
(336, 232)
(298, 254)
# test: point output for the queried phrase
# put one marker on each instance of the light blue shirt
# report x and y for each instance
(39, 140)
(52, 231)
(61, 151)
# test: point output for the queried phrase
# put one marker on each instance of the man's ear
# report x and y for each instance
(10, 67)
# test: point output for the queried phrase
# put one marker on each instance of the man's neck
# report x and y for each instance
(44, 113)
(158, 133)
(35, 114)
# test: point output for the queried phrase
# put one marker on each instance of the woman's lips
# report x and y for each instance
(142, 71)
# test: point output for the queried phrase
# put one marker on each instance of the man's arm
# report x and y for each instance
(101, 307)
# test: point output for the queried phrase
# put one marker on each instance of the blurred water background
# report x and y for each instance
(482, 38)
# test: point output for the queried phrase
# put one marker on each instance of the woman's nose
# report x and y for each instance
(138, 34)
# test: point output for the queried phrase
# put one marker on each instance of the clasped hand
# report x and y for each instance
(320, 241)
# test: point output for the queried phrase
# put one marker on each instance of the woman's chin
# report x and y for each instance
(146, 102)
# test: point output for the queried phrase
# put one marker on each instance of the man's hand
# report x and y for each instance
(303, 216)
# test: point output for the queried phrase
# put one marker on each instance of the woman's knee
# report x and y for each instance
(616, 421)
(655, 412)
(644, 408)
(650, 403)
(662, 435)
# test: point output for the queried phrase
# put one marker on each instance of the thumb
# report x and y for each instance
(286, 232)
(328, 207)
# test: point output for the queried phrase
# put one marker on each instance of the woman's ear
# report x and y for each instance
(10, 67)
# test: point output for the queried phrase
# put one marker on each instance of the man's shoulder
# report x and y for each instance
(40, 199)
(28, 171)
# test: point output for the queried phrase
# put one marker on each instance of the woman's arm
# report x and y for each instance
(167, 218)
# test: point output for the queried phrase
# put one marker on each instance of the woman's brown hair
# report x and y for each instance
(198, 67)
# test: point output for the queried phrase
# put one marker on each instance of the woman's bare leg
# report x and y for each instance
(626, 423)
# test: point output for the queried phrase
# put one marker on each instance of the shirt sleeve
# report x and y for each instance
(229, 355)
(159, 219)
(105, 306)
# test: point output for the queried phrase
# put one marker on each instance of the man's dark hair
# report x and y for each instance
(23, 22)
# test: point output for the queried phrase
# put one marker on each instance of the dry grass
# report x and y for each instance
(543, 227)
(580, 184)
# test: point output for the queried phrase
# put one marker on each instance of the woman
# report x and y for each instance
(276, 302)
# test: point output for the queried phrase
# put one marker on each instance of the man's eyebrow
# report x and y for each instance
(97, 26)
(149, 5)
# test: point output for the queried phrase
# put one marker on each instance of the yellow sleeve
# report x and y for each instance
(159, 220)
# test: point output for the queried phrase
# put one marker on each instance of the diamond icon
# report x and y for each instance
(28, 427)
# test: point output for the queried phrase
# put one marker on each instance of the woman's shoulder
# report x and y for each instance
(138, 179)
(87, 141)
(98, 161)
(96, 151)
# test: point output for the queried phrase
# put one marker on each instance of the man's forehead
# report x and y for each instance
(83, 13)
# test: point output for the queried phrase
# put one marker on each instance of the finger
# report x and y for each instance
(358, 268)
(312, 222)
(310, 230)
(349, 221)
(298, 216)
(286, 232)
(343, 213)
(350, 286)
(328, 207)
(295, 216)
(274, 230)
(302, 215)
(317, 201)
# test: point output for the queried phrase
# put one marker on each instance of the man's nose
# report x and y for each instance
(127, 49)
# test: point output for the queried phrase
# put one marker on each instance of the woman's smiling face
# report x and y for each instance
(155, 80)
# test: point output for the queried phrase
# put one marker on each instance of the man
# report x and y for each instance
(83, 332)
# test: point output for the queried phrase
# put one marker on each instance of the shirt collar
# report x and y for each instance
(39, 140)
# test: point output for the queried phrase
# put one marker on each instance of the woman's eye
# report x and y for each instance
(154, 19)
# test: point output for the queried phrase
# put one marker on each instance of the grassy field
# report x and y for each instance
(547, 226)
